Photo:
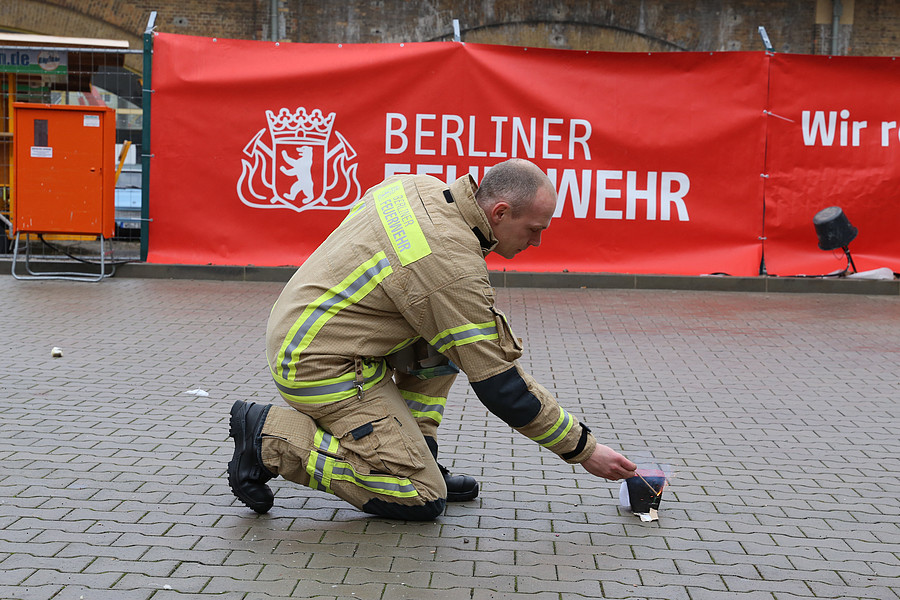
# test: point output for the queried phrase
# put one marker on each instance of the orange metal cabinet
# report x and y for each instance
(64, 174)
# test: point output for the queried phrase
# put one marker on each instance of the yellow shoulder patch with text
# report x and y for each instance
(400, 223)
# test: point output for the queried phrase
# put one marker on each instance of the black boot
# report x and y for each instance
(460, 488)
(246, 474)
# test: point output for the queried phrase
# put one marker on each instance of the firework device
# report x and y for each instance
(643, 493)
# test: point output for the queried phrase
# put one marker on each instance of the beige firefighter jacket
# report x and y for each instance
(408, 263)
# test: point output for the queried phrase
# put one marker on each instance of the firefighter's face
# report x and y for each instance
(515, 233)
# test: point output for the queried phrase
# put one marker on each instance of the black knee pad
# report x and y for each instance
(427, 512)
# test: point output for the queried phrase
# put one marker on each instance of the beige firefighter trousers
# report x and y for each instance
(370, 452)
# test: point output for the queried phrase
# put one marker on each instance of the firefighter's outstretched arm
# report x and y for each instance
(461, 322)
(606, 462)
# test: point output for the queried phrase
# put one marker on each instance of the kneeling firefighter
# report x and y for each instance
(365, 339)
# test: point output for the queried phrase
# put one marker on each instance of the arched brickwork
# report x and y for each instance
(568, 36)
(867, 27)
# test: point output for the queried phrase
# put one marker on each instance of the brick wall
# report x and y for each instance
(867, 27)
(876, 29)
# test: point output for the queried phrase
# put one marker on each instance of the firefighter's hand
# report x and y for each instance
(606, 462)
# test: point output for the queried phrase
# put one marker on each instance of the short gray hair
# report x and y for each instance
(515, 181)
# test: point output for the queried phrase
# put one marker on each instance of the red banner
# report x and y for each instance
(260, 148)
(664, 163)
(832, 141)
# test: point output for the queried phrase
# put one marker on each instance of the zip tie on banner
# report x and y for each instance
(764, 175)
(771, 114)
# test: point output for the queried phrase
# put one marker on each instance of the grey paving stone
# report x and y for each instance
(139, 582)
(14, 573)
(42, 577)
(863, 592)
(174, 595)
(413, 592)
(23, 562)
(699, 593)
(776, 412)
(33, 592)
(625, 591)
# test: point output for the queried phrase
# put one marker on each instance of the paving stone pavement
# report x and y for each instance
(778, 414)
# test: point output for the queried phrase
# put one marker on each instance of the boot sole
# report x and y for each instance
(235, 429)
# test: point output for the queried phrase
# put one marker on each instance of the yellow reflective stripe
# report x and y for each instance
(464, 334)
(319, 467)
(351, 290)
(358, 206)
(558, 431)
(386, 485)
(420, 405)
(323, 470)
(329, 390)
(325, 442)
(403, 345)
(400, 223)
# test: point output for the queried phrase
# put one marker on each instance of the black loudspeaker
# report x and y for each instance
(835, 231)
(833, 228)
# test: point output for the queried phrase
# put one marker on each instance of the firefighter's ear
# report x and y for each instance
(499, 211)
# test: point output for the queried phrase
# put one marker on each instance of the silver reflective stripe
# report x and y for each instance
(329, 388)
(551, 437)
(343, 471)
(321, 459)
(385, 486)
(422, 407)
(319, 311)
(319, 474)
(325, 444)
(559, 431)
(463, 335)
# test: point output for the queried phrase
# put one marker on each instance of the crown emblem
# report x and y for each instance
(300, 127)
(302, 164)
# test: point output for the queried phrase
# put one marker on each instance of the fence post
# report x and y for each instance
(145, 134)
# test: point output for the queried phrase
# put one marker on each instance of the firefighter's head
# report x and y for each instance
(518, 200)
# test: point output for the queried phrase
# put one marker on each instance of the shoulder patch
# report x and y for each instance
(400, 223)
